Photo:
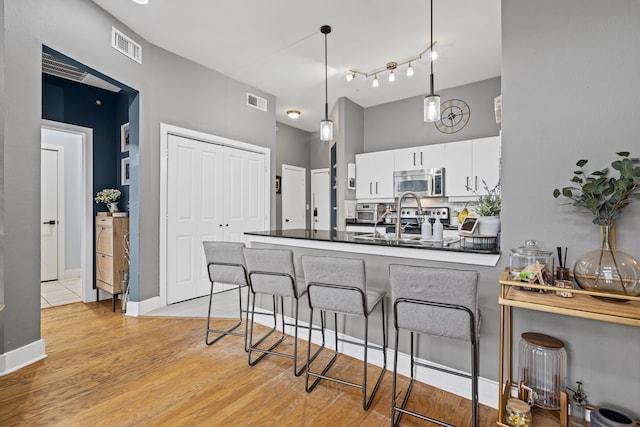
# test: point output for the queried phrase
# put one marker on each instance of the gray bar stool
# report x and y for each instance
(338, 285)
(440, 302)
(272, 272)
(225, 264)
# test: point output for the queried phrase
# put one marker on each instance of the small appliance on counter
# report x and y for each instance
(350, 211)
(369, 213)
(422, 182)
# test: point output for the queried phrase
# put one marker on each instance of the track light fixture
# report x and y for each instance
(392, 66)
(326, 125)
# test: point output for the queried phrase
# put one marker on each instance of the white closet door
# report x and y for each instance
(213, 193)
(244, 193)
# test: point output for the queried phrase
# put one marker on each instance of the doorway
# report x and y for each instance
(72, 148)
(294, 214)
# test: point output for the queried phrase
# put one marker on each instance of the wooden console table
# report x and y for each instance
(582, 304)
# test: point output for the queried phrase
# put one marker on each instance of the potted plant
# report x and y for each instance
(110, 197)
(606, 269)
(487, 208)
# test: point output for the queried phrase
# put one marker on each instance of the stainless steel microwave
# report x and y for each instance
(422, 182)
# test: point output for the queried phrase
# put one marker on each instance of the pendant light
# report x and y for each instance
(326, 125)
(432, 101)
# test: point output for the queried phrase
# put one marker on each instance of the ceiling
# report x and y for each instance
(276, 45)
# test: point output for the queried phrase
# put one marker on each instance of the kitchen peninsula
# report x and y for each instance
(452, 250)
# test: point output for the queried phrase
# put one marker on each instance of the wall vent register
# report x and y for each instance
(126, 45)
(256, 102)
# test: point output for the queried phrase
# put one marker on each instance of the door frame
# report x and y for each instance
(86, 244)
(60, 211)
(312, 172)
(165, 131)
(297, 169)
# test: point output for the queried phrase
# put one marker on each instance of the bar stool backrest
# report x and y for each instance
(279, 262)
(228, 262)
(341, 273)
(437, 285)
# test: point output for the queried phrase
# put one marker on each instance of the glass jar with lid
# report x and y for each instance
(531, 262)
(518, 413)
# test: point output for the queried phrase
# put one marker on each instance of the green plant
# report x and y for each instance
(489, 204)
(108, 195)
(605, 196)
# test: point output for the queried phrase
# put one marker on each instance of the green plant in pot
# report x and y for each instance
(606, 269)
(487, 208)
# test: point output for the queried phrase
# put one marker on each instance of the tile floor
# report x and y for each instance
(60, 292)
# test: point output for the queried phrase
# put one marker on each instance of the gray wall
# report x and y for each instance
(292, 148)
(570, 86)
(400, 124)
(172, 90)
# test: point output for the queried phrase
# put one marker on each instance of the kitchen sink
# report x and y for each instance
(408, 239)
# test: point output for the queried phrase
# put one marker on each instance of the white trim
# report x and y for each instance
(60, 211)
(487, 388)
(136, 309)
(86, 262)
(424, 254)
(16, 359)
(165, 131)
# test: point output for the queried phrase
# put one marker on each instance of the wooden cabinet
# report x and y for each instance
(424, 157)
(582, 305)
(111, 261)
(469, 163)
(374, 175)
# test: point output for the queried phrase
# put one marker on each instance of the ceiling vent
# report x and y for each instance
(126, 45)
(256, 102)
(56, 67)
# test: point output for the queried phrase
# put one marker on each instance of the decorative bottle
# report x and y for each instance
(578, 407)
(426, 229)
(437, 229)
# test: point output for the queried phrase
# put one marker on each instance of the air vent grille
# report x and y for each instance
(256, 102)
(126, 45)
(55, 67)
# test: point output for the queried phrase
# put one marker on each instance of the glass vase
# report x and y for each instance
(607, 269)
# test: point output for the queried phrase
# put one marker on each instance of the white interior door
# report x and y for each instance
(320, 201)
(213, 193)
(294, 214)
(49, 215)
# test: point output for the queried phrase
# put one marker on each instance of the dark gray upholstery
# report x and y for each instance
(226, 253)
(342, 272)
(272, 261)
(458, 287)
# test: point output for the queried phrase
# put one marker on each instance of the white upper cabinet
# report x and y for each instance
(374, 175)
(470, 162)
(424, 157)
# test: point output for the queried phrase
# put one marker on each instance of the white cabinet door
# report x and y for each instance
(458, 168)
(486, 163)
(432, 156)
(374, 175)
(406, 159)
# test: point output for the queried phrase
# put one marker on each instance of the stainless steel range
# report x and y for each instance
(410, 218)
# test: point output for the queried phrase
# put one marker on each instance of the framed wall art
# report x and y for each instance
(124, 138)
(125, 171)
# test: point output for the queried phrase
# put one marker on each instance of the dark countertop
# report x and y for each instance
(469, 245)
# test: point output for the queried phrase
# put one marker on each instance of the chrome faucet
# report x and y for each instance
(399, 207)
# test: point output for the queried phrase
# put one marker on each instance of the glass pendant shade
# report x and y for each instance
(326, 130)
(432, 108)
(607, 269)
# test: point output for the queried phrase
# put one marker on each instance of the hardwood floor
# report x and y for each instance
(106, 369)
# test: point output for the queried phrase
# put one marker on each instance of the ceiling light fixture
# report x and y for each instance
(293, 114)
(141, 1)
(375, 81)
(432, 101)
(326, 125)
(392, 66)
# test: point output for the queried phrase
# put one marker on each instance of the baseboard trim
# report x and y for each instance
(487, 389)
(14, 360)
(135, 308)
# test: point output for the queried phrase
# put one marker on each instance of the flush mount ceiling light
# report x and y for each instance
(293, 114)
(431, 108)
(141, 1)
(390, 67)
(326, 125)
